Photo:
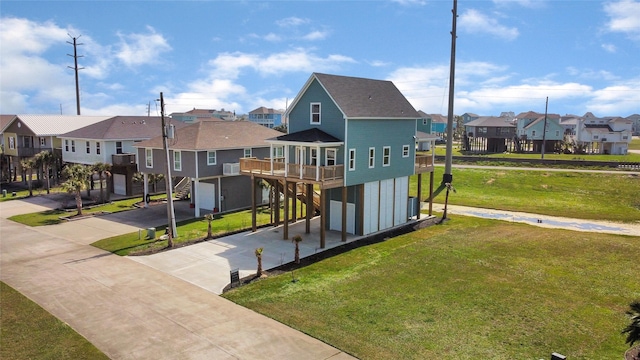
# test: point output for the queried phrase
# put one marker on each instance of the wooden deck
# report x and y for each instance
(324, 176)
(424, 163)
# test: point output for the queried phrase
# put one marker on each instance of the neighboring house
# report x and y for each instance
(266, 117)
(439, 124)
(5, 160)
(488, 134)
(635, 123)
(353, 140)
(469, 117)
(534, 129)
(207, 155)
(204, 114)
(111, 142)
(27, 135)
(609, 135)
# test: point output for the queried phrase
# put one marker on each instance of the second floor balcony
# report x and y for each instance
(424, 163)
(123, 159)
(330, 175)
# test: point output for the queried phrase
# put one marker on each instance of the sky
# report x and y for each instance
(511, 55)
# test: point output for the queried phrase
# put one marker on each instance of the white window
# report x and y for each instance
(557, 133)
(66, 145)
(595, 137)
(278, 152)
(315, 113)
(43, 142)
(98, 147)
(118, 147)
(405, 151)
(12, 143)
(424, 121)
(330, 157)
(88, 147)
(352, 159)
(386, 156)
(314, 156)
(533, 133)
(211, 157)
(149, 157)
(625, 137)
(372, 157)
(177, 160)
(73, 146)
(247, 152)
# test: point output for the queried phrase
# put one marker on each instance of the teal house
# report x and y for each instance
(533, 129)
(349, 153)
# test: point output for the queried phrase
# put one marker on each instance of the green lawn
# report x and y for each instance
(635, 143)
(579, 195)
(468, 289)
(30, 332)
(441, 151)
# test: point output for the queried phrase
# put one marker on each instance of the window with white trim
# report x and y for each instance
(386, 156)
(73, 146)
(66, 145)
(211, 158)
(43, 142)
(148, 153)
(118, 147)
(372, 157)
(315, 113)
(352, 159)
(405, 151)
(314, 156)
(12, 143)
(533, 133)
(177, 160)
(425, 121)
(330, 157)
(98, 147)
(278, 152)
(247, 152)
(88, 147)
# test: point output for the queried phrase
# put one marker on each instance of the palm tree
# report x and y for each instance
(77, 177)
(259, 257)
(297, 239)
(45, 159)
(633, 329)
(446, 200)
(209, 218)
(28, 165)
(102, 169)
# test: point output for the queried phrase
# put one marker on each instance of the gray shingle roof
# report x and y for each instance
(54, 125)
(122, 128)
(367, 98)
(313, 135)
(490, 121)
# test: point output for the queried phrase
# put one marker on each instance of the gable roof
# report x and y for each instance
(122, 128)
(215, 135)
(54, 125)
(264, 110)
(490, 121)
(363, 98)
(5, 120)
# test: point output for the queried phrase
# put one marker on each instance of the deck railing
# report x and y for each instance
(303, 172)
(424, 163)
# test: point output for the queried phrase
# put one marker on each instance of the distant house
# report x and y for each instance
(111, 142)
(488, 134)
(266, 117)
(27, 135)
(438, 124)
(469, 117)
(635, 123)
(534, 129)
(206, 155)
(353, 140)
(203, 114)
(608, 135)
(5, 160)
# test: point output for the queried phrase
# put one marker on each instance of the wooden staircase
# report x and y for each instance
(182, 189)
(300, 193)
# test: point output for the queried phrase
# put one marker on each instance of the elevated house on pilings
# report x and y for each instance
(349, 154)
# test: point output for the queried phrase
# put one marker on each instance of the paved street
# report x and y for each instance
(130, 310)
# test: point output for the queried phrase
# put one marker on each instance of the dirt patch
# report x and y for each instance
(490, 181)
(633, 353)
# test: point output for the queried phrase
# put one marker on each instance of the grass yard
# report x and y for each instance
(441, 150)
(635, 143)
(188, 231)
(30, 332)
(468, 289)
(614, 197)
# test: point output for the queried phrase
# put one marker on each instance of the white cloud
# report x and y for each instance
(292, 22)
(524, 3)
(140, 49)
(609, 48)
(473, 21)
(316, 35)
(618, 99)
(623, 17)
(410, 2)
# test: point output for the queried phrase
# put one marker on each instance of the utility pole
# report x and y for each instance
(76, 68)
(171, 219)
(447, 177)
(544, 129)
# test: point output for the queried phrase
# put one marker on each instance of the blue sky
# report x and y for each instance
(240, 55)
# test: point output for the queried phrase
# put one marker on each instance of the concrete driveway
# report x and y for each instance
(130, 310)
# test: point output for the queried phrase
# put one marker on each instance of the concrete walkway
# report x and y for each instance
(132, 311)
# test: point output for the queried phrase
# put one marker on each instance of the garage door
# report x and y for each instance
(119, 184)
(206, 194)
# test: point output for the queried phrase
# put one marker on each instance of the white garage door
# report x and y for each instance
(206, 194)
(335, 220)
(119, 184)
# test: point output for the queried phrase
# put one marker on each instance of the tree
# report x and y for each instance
(297, 239)
(259, 257)
(209, 218)
(77, 176)
(446, 200)
(633, 329)
(28, 165)
(102, 169)
(45, 159)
